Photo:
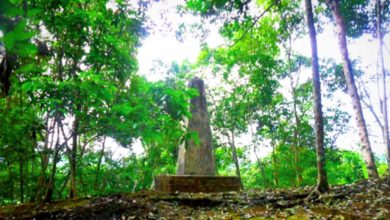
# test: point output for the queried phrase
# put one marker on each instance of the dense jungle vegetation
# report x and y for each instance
(70, 87)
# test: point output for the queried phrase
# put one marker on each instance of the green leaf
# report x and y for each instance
(13, 11)
(26, 50)
(27, 86)
(26, 68)
(32, 12)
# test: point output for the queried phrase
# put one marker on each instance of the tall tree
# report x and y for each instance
(334, 6)
(231, 116)
(379, 14)
(318, 117)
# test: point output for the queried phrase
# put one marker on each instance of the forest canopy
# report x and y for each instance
(72, 93)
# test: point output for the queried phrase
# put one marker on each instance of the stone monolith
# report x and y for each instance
(197, 157)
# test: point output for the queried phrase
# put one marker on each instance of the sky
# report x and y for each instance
(162, 45)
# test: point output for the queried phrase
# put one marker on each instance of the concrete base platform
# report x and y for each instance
(195, 184)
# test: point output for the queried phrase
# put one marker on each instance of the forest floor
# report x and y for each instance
(362, 200)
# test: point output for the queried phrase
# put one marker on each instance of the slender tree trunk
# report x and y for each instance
(34, 146)
(75, 132)
(64, 185)
(259, 162)
(235, 158)
(298, 169)
(51, 183)
(349, 77)
(379, 8)
(56, 122)
(42, 181)
(21, 180)
(73, 158)
(295, 147)
(95, 185)
(11, 181)
(318, 117)
(275, 164)
(30, 195)
(135, 186)
(261, 167)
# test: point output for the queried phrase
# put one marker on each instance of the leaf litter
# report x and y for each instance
(362, 200)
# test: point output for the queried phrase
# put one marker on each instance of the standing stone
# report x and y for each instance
(197, 158)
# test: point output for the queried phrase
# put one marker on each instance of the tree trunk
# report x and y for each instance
(298, 169)
(235, 158)
(64, 185)
(261, 167)
(259, 162)
(318, 118)
(51, 184)
(349, 77)
(275, 163)
(386, 139)
(295, 147)
(56, 122)
(44, 156)
(73, 158)
(21, 180)
(75, 132)
(95, 185)
(34, 146)
(11, 181)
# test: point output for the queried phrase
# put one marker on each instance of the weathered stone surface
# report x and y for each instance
(196, 164)
(196, 183)
(198, 157)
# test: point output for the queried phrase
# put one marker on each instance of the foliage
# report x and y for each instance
(70, 90)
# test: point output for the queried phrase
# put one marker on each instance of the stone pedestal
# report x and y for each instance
(196, 184)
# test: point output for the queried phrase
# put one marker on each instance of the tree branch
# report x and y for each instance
(254, 22)
(369, 105)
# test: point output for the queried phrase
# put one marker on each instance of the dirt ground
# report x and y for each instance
(362, 200)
